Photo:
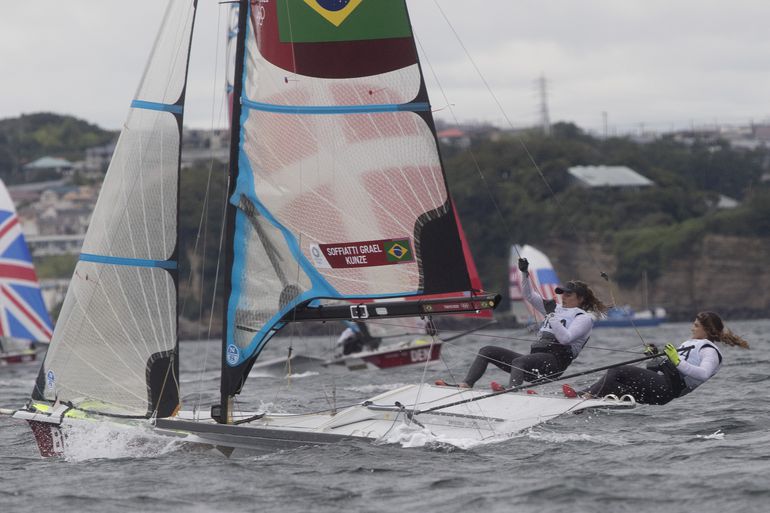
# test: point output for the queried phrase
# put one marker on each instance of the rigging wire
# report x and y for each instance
(216, 97)
(530, 157)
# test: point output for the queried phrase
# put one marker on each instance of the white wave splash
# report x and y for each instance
(716, 435)
(301, 375)
(547, 436)
(109, 440)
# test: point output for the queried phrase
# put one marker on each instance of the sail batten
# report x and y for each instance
(130, 262)
(164, 107)
(337, 109)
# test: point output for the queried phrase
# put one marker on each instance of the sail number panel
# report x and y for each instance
(362, 254)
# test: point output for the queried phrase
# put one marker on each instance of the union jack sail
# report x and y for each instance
(23, 313)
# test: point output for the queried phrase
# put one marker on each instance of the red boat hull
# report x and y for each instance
(17, 358)
(406, 356)
(49, 438)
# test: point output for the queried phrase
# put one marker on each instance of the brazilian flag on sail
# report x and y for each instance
(325, 21)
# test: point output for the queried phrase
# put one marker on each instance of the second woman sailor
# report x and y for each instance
(563, 334)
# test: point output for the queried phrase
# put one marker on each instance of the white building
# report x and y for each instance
(608, 176)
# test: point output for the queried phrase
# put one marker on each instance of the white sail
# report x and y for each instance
(113, 347)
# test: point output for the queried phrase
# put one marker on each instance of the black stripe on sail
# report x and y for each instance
(440, 253)
(163, 393)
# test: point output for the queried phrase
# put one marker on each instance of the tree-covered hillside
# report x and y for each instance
(525, 174)
(32, 136)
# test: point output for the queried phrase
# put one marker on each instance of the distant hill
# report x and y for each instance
(32, 136)
(640, 230)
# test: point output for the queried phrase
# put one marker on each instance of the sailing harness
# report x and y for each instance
(548, 343)
(677, 380)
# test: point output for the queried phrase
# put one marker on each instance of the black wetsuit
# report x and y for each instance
(526, 367)
(647, 386)
(659, 383)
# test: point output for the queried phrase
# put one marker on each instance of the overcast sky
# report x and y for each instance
(655, 63)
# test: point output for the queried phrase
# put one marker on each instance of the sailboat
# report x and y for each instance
(337, 197)
(24, 319)
(626, 317)
(542, 275)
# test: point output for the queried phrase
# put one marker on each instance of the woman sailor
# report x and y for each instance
(685, 368)
(563, 334)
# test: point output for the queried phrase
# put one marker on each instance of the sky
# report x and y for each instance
(615, 65)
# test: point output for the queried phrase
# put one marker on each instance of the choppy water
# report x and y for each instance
(707, 452)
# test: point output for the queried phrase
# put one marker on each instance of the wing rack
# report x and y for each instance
(379, 310)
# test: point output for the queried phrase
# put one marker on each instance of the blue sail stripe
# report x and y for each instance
(164, 107)
(337, 109)
(131, 262)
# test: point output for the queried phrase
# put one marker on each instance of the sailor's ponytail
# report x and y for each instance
(590, 302)
(716, 331)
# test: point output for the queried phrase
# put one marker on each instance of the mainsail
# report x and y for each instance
(339, 191)
(115, 344)
(23, 313)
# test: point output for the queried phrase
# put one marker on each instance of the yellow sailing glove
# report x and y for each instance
(672, 354)
(650, 349)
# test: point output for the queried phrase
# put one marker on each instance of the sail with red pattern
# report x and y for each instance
(339, 191)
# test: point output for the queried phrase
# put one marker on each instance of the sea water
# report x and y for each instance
(706, 452)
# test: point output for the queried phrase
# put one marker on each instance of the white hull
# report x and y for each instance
(379, 419)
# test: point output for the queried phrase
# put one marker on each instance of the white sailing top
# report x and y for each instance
(701, 363)
(570, 326)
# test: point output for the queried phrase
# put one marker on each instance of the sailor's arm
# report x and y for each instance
(581, 326)
(530, 295)
(708, 365)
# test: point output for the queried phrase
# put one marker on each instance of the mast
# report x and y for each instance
(224, 416)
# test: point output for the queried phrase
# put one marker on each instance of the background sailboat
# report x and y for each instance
(543, 279)
(24, 318)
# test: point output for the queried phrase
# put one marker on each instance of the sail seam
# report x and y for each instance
(337, 109)
(163, 107)
(131, 262)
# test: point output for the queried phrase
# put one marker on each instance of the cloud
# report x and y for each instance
(641, 61)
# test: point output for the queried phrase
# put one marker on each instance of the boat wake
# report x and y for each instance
(375, 389)
(412, 435)
(552, 437)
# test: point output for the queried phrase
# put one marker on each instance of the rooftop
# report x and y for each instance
(49, 163)
(608, 176)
